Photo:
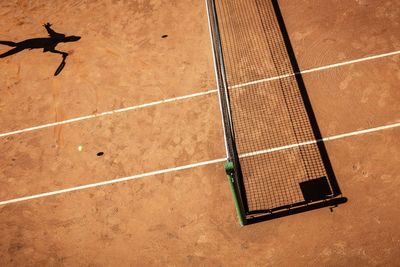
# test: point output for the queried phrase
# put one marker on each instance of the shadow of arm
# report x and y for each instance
(51, 32)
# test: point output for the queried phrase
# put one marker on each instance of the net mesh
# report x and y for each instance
(267, 107)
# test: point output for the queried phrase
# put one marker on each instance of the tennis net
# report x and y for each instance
(278, 163)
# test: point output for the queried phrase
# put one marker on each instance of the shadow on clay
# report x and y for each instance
(48, 44)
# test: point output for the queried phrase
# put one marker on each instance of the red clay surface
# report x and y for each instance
(186, 218)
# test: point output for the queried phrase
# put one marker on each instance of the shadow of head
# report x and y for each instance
(71, 38)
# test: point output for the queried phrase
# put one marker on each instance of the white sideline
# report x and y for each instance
(168, 100)
(118, 180)
(194, 165)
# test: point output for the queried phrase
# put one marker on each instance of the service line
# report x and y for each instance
(174, 99)
(198, 164)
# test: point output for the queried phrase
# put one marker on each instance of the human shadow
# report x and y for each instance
(47, 44)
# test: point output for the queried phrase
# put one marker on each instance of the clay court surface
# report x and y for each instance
(186, 217)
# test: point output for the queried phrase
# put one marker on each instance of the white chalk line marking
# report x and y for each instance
(331, 138)
(119, 180)
(174, 99)
(199, 164)
(318, 69)
(106, 113)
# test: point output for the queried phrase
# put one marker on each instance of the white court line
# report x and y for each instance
(318, 69)
(48, 125)
(190, 166)
(330, 138)
(119, 180)
(168, 100)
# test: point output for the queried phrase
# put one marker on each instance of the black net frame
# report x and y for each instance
(222, 83)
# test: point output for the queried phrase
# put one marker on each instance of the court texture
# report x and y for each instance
(113, 145)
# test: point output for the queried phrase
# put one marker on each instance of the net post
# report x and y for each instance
(229, 169)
